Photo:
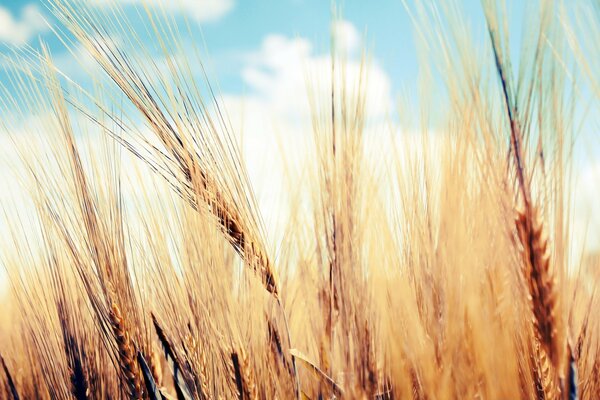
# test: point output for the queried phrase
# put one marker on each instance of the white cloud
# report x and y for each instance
(346, 36)
(198, 10)
(586, 212)
(18, 31)
(274, 117)
(279, 71)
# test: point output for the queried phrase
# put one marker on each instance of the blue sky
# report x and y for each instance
(242, 25)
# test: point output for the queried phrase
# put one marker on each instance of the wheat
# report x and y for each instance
(540, 282)
(433, 261)
(127, 360)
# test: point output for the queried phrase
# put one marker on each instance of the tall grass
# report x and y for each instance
(435, 264)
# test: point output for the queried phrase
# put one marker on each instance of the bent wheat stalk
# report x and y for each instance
(197, 149)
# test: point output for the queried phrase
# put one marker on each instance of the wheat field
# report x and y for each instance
(432, 262)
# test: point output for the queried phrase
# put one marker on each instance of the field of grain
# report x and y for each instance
(433, 259)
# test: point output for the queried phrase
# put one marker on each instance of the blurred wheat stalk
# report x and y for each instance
(442, 272)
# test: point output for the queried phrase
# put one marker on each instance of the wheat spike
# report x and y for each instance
(540, 282)
(198, 359)
(242, 376)
(192, 176)
(545, 375)
(127, 362)
(251, 391)
(203, 372)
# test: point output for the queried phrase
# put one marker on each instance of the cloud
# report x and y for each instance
(346, 36)
(274, 116)
(586, 212)
(198, 10)
(278, 74)
(18, 31)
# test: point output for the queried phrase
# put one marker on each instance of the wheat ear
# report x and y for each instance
(127, 353)
(546, 383)
(540, 282)
(536, 261)
(249, 378)
(198, 358)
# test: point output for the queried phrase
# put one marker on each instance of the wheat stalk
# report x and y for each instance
(194, 177)
(377, 276)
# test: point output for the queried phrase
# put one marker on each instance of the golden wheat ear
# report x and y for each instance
(199, 157)
(128, 366)
(179, 380)
(243, 377)
(9, 380)
(540, 282)
(199, 363)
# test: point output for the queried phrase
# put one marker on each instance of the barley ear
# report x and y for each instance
(129, 368)
(197, 358)
(251, 391)
(540, 281)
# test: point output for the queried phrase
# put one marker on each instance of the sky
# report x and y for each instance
(234, 28)
(257, 51)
